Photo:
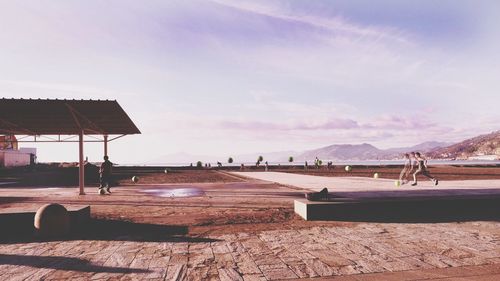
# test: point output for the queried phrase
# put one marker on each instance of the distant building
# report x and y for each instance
(12, 156)
(484, 157)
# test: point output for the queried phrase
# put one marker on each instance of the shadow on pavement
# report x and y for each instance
(63, 263)
(113, 230)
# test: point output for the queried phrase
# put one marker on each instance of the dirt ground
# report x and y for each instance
(52, 175)
(221, 203)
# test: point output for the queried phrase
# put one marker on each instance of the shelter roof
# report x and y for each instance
(64, 117)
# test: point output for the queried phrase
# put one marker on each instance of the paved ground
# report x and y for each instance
(277, 249)
(369, 187)
(268, 255)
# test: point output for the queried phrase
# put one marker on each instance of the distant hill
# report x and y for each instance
(364, 151)
(488, 144)
(183, 158)
(423, 147)
(344, 152)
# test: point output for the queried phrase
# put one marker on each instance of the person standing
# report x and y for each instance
(105, 172)
(422, 169)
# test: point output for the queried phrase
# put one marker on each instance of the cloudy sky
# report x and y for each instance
(226, 77)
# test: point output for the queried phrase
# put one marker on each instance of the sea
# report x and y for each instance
(433, 162)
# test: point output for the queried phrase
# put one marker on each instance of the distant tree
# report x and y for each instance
(290, 159)
(260, 159)
(199, 164)
(230, 160)
(317, 163)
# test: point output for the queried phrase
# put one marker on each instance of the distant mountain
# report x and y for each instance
(343, 152)
(488, 144)
(482, 145)
(183, 158)
(186, 158)
(364, 151)
(423, 147)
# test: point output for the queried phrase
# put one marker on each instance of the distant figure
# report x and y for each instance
(209, 165)
(267, 166)
(242, 167)
(330, 165)
(305, 166)
(407, 168)
(422, 169)
(317, 163)
(219, 164)
(105, 174)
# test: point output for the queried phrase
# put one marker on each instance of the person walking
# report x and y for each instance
(407, 168)
(105, 172)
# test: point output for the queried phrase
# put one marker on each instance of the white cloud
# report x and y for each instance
(336, 25)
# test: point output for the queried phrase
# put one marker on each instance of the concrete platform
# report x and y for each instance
(368, 199)
(20, 220)
(360, 187)
(409, 209)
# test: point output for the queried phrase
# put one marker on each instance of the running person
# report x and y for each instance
(105, 173)
(408, 167)
(422, 169)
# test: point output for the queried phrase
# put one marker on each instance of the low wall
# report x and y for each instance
(433, 209)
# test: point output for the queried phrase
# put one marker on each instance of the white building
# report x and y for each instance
(14, 158)
(484, 157)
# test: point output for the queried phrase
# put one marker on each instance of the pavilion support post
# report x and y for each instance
(105, 145)
(81, 168)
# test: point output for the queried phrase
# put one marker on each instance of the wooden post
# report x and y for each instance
(81, 169)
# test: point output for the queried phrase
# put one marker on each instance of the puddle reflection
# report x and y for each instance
(175, 192)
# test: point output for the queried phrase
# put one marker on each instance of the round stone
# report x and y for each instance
(52, 220)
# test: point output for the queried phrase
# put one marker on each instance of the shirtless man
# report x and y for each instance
(421, 163)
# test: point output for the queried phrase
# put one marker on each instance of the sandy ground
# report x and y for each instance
(205, 208)
(46, 175)
(207, 201)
